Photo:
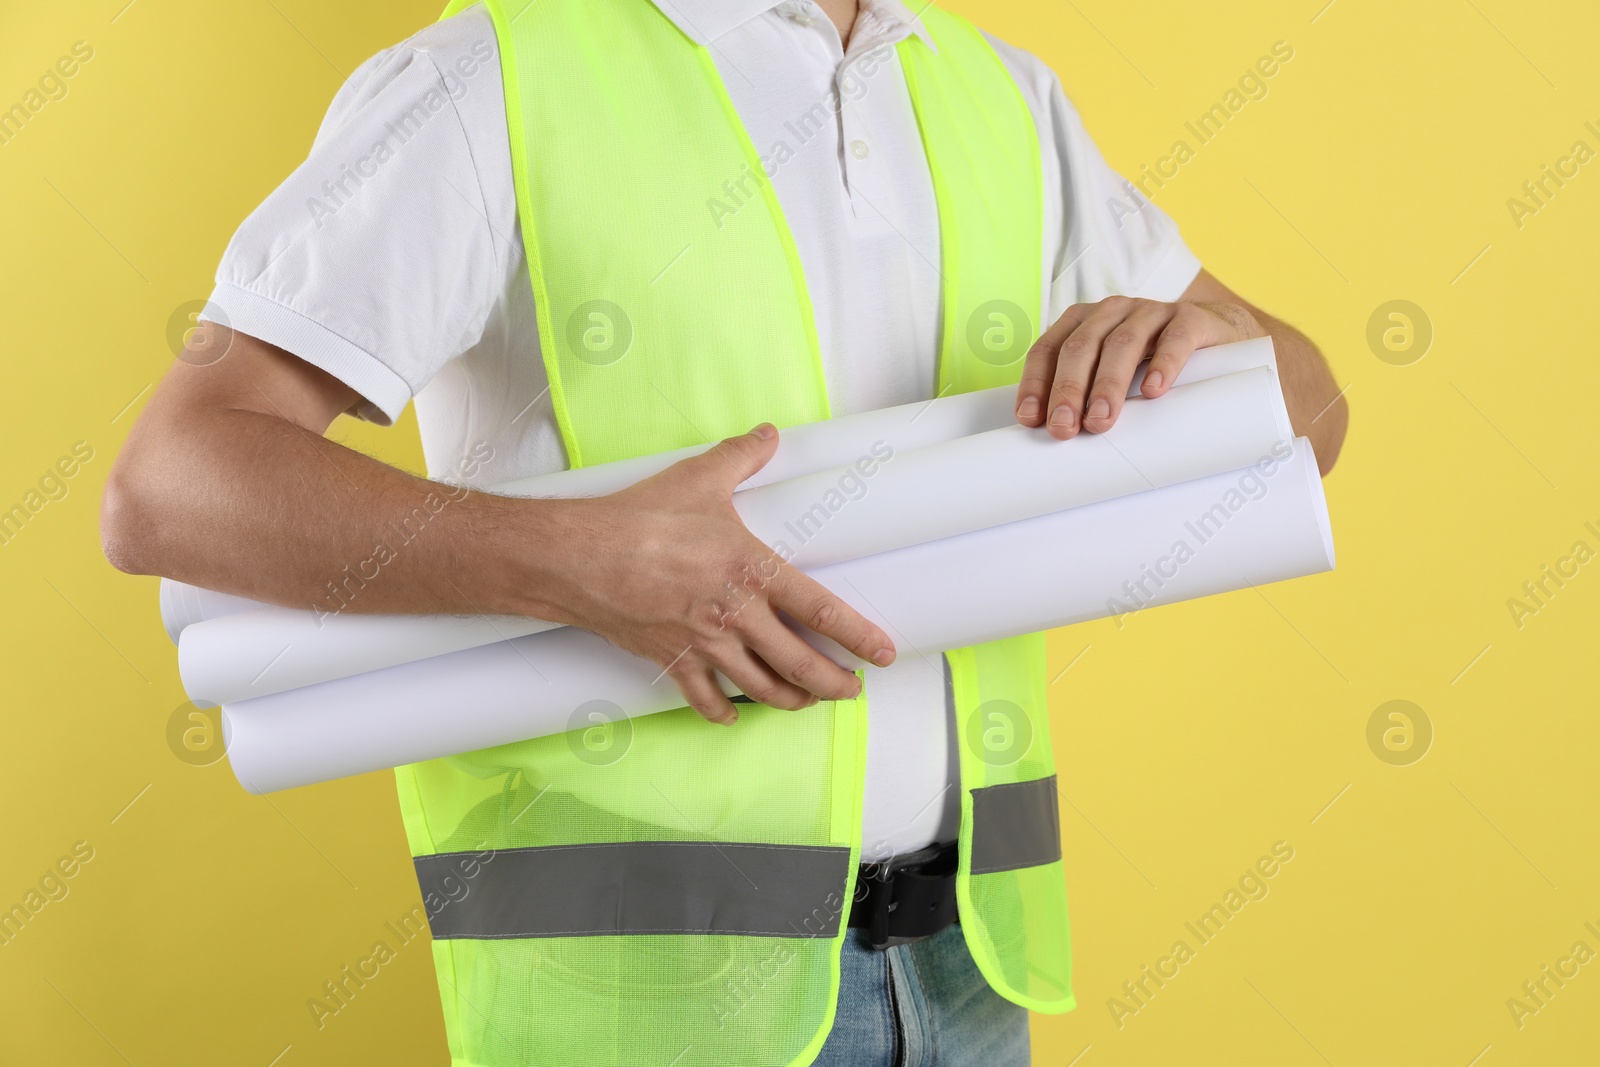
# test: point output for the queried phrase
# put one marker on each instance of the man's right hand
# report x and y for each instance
(666, 570)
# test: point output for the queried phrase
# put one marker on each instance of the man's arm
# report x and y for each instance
(226, 481)
(1077, 373)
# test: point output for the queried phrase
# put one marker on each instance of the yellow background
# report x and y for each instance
(1420, 897)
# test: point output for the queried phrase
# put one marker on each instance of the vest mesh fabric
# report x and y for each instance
(693, 998)
(663, 325)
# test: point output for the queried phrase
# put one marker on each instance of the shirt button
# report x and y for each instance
(859, 149)
(803, 19)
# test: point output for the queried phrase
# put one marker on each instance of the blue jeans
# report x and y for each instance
(920, 1004)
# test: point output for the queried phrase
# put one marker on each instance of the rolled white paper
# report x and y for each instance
(802, 450)
(881, 498)
(273, 649)
(1015, 473)
(1263, 523)
(183, 605)
(902, 499)
(1260, 524)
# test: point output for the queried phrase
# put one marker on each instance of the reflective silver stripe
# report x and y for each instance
(643, 887)
(1016, 825)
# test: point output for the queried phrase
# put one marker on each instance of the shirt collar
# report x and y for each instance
(703, 21)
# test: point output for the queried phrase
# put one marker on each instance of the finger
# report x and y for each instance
(1039, 369)
(750, 671)
(1120, 355)
(813, 607)
(730, 461)
(786, 652)
(702, 693)
(1075, 366)
(1190, 328)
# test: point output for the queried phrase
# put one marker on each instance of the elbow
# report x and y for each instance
(125, 520)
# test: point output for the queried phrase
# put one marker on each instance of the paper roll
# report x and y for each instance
(1263, 523)
(183, 605)
(882, 500)
(1015, 473)
(802, 450)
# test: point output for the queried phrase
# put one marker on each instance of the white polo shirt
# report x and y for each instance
(392, 259)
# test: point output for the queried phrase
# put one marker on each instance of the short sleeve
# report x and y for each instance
(1102, 236)
(381, 257)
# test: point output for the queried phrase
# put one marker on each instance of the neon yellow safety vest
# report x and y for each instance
(658, 891)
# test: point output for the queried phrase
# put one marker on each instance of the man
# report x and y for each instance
(676, 221)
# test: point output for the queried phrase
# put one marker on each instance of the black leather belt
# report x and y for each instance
(907, 898)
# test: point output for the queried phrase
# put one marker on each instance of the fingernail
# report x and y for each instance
(764, 431)
(1064, 417)
(1029, 409)
(730, 720)
(1099, 408)
(1153, 379)
(883, 657)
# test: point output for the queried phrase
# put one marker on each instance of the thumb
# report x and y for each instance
(731, 461)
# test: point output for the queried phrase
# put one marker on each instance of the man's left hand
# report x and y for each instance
(1078, 371)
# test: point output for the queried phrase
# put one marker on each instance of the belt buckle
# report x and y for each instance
(880, 898)
(884, 879)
